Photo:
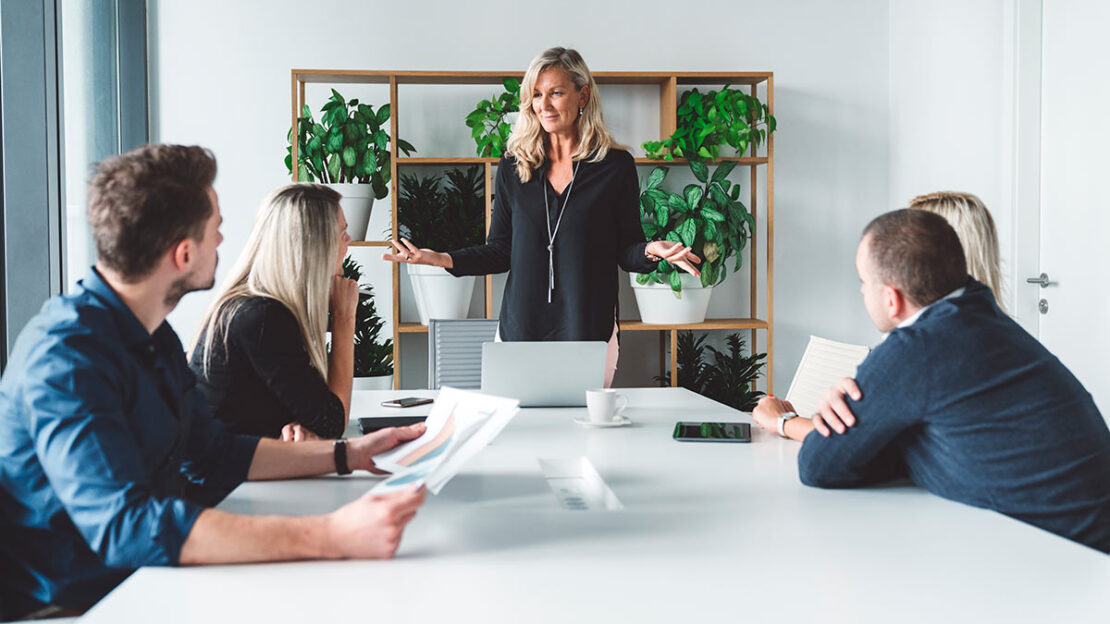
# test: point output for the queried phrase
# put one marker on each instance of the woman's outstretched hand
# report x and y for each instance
(407, 253)
(677, 254)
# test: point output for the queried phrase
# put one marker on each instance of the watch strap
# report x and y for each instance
(340, 451)
(782, 422)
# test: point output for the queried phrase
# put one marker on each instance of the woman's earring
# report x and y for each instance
(580, 109)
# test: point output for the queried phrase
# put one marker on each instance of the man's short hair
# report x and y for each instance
(918, 253)
(144, 202)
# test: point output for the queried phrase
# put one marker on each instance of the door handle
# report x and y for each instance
(1042, 280)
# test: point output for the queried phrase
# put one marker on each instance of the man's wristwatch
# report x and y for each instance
(340, 448)
(782, 422)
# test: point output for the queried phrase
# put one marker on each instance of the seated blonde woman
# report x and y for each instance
(260, 357)
(975, 228)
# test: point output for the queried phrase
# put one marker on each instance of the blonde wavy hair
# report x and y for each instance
(290, 258)
(974, 225)
(528, 141)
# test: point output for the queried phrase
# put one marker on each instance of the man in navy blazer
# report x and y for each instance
(958, 397)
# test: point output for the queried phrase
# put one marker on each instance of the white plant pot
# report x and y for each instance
(377, 382)
(659, 305)
(357, 201)
(438, 294)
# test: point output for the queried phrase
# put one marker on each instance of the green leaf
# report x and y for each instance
(723, 170)
(405, 147)
(383, 114)
(676, 282)
(693, 194)
(334, 165)
(643, 278)
(656, 177)
(349, 156)
(381, 139)
(710, 231)
(335, 140)
(512, 85)
(712, 215)
(704, 153)
(673, 237)
(677, 202)
(701, 172)
(687, 231)
(306, 111)
(662, 215)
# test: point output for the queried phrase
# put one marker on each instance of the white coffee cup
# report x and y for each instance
(605, 405)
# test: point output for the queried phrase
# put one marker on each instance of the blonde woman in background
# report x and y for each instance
(260, 357)
(566, 215)
(975, 228)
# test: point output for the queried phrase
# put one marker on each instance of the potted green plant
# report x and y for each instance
(492, 120)
(729, 378)
(373, 353)
(442, 213)
(706, 121)
(348, 149)
(711, 220)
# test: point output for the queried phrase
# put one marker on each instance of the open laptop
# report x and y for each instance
(543, 374)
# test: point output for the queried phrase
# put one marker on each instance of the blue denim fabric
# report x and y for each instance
(101, 431)
(971, 407)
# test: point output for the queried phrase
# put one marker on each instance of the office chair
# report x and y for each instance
(455, 351)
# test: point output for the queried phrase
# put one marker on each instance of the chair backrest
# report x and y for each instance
(455, 351)
(824, 363)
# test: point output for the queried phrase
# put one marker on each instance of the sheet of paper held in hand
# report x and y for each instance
(460, 424)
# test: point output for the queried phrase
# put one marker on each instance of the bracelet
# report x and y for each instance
(340, 450)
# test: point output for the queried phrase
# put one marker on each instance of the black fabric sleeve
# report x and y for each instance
(492, 257)
(630, 235)
(269, 337)
(894, 387)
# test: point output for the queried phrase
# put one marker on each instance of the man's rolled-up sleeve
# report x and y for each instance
(94, 462)
(866, 453)
(214, 457)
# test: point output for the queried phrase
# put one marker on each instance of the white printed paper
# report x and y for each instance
(460, 424)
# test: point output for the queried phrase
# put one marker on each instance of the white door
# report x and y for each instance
(1075, 191)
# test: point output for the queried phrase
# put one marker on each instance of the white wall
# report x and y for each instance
(952, 106)
(854, 134)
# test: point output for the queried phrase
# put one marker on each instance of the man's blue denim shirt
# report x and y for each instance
(101, 430)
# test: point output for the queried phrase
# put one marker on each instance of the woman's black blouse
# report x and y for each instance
(600, 231)
(265, 380)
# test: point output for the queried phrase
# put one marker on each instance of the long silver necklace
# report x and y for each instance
(552, 234)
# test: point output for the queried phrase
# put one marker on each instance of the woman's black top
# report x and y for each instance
(265, 380)
(600, 230)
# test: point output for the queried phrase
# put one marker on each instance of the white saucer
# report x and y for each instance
(619, 421)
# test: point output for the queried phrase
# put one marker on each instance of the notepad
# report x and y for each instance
(824, 363)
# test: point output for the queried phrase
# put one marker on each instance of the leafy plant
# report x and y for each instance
(710, 219)
(729, 379)
(707, 121)
(487, 121)
(348, 145)
(443, 215)
(373, 356)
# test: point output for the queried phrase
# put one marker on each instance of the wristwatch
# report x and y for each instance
(340, 448)
(782, 422)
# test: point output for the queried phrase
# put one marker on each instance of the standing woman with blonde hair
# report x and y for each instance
(260, 356)
(566, 214)
(967, 214)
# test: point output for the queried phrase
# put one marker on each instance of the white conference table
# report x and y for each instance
(708, 532)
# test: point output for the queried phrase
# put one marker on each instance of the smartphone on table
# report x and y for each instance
(370, 425)
(712, 432)
(407, 402)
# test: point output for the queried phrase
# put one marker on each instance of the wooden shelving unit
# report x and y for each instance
(669, 84)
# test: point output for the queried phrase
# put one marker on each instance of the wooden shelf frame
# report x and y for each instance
(669, 84)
